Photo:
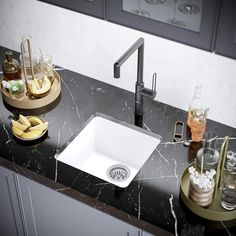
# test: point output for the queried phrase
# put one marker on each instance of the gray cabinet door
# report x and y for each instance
(188, 22)
(10, 218)
(90, 7)
(48, 212)
(226, 34)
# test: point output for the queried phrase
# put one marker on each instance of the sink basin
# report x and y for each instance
(109, 149)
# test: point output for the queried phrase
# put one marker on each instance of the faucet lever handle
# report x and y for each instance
(151, 93)
(154, 79)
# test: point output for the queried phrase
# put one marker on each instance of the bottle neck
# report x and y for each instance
(196, 100)
(9, 56)
(197, 92)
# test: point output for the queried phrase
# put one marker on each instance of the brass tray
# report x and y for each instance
(32, 103)
(213, 212)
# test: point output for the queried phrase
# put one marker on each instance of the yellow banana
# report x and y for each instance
(40, 127)
(19, 125)
(24, 120)
(31, 135)
(35, 120)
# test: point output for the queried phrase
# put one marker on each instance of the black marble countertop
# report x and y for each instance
(152, 199)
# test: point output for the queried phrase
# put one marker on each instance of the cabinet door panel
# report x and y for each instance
(91, 7)
(226, 34)
(48, 212)
(10, 218)
(169, 20)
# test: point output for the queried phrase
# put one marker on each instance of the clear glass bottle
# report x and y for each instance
(195, 103)
(10, 67)
(196, 119)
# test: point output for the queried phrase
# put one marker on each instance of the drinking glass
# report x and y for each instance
(46, 65)
(208, 152)
(139, 11)
(174, 20)
(189, 8)
(228, 197)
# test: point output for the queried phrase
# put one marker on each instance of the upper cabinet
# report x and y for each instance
(190, 22)
(90, 7)
(226, 34)
(205, 24)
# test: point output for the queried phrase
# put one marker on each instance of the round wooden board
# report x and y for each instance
(32, 103)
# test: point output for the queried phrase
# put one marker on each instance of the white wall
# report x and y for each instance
(90, 46)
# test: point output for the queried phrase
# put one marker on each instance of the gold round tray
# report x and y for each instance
(213, 212)
(32, 103)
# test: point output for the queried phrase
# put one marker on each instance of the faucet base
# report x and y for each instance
(138, 120)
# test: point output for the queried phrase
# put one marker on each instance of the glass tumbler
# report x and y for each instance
(46, 65)
(209, 153)
(228, 196)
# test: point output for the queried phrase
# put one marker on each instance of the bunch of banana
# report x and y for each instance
(29, 128)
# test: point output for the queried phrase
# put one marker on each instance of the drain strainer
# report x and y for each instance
(118, 173)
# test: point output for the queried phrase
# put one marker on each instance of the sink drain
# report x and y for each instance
(118, 173)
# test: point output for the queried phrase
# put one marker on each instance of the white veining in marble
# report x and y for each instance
(173, 214)
(139, 202)
(6, 131)
(72, 97)
(100, 192)
(147, 128)
(226, 229)
(176, 176)
(159, 152)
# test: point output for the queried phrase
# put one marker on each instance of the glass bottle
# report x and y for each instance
(195, 103)
(196, 119)
(10, 67)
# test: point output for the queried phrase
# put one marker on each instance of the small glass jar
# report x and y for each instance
(228, 184)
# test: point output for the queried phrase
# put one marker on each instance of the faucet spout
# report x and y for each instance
(139, 44)
(140, 90)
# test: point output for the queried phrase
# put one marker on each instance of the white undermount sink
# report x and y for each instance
(110, 149)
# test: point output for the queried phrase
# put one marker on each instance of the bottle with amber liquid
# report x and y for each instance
(11, 68)
(196, 119)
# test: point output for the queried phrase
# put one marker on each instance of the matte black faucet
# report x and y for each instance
(140, 90)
